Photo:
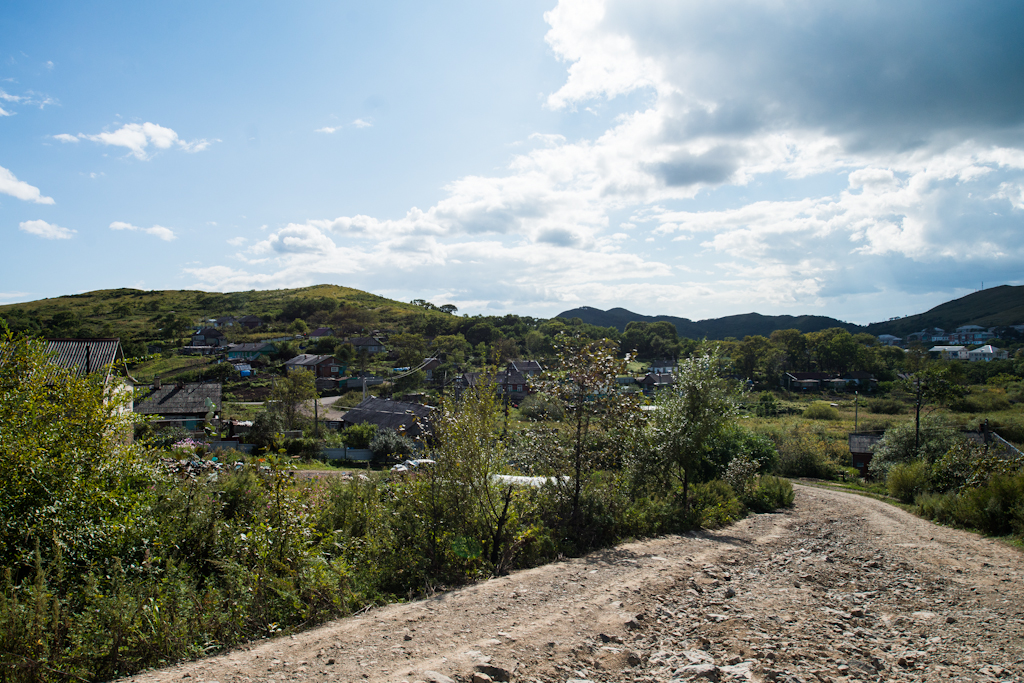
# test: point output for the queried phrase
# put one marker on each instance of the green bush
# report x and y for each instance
(955, 468)
(715, 504)
(767, 405)
(387, 443)
(898, 444)
(908, 479)
(820, 411)
(987, 400)
(885, 406)
(359, 435)
(769, 493)
(996, 508)
(539, 407)
(803, 453)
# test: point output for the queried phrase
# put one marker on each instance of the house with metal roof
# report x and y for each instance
(320, 366)
(184, 404)
(250, 351)
(408, 418)
(88, 356)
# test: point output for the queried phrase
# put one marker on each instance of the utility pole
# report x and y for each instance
(917, 418)
(856, 408)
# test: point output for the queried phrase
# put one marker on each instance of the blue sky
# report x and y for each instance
(858, 160)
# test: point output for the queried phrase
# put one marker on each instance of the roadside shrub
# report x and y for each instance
(820, 411)
(897, 444)
(736, 441)
(539, 407)
(802, 453)
(954, 469)
(885, 406)
(908, 479)
(715, 504)
(939, 507)
(769, 493)
(996, 508)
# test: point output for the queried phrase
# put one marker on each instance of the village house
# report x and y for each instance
(208, 336)
(371, 345)
(948, 352)
(250, 322)
(410, 419)
(320, 366)
(664, 366)
(655, 380)
(250, 351)
(181, 404)
(321, 332)
(88, 356)
(987, 353)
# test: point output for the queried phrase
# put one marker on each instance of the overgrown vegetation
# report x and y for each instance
(115, 562)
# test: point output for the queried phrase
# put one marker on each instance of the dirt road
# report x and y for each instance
(840, 588)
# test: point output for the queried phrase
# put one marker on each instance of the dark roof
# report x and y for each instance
(84, 356)
(365, 341)
(804, 376)
(526, 366)
(657, 378)
(308, 360)
(180, 399)
(249, 319)
(249, 346)
(390, 414)
(322, 332)
(208, 332)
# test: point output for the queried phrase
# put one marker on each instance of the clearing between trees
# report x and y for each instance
(838, 588)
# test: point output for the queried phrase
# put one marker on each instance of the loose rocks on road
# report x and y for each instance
(839, 588)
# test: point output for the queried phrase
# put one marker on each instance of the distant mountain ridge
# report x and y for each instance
(1003, 305)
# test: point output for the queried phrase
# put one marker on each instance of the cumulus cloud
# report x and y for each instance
(46, 230)
(327, 129)
(20, 189)
(166, 234)
(774, 153)
(360, 123)
(139, 137)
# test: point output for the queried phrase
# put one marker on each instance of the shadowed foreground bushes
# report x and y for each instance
(113, 563)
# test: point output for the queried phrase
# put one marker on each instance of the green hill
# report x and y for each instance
(1003, 305)
(139, 316)
(737, 326)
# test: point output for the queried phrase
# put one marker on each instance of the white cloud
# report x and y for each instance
(237, 241)
(46, 230)
(20, 189)
(360, 123)
(65, 137)
(772, 153)
(137, 138)
(166, 234)
(4, 112)
(327, 129)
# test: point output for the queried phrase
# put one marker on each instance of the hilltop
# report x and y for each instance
(997, 306)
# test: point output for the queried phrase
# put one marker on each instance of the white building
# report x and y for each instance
(986, 353)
